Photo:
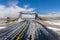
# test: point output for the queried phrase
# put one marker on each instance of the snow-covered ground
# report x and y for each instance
(55, 22)
(55, 29)
(2, 24)
(2, 27)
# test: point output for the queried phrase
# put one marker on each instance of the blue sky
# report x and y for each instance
(42, 6)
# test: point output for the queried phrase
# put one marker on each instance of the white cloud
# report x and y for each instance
(51, 14)
(54, 14)
(13, 2)
(12, 11)
(31, 9)
(26, 6)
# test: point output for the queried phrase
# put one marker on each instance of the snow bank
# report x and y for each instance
(2, 28)
(52, 22)
(55, 29)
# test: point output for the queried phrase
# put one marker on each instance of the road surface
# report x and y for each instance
(27, 30)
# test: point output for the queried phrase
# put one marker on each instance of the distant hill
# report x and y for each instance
(47, 17)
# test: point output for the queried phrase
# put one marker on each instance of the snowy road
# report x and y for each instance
(27, 30)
